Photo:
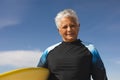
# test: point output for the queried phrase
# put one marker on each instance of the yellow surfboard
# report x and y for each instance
(31, 73)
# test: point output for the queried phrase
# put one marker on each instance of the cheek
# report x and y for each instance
(61, 32)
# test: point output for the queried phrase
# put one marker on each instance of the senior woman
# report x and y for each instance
(72, 59)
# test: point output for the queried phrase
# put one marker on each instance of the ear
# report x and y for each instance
(78, 27)
(58, 30)
(79, 24)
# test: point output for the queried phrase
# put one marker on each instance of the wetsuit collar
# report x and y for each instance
(73, 42)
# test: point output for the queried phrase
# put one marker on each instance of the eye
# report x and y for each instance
(64, 27)
(73, 26)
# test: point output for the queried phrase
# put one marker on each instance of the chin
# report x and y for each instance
(70, 40)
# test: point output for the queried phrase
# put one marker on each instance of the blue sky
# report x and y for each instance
(27, 28)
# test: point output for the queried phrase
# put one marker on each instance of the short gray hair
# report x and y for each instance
(66, 13)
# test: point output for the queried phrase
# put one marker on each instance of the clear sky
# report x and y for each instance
(27, 28)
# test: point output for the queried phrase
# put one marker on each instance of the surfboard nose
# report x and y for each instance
(29, 73)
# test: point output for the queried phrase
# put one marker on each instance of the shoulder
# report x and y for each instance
(93, 51)
(45, 53)
(90, 46)
(52, 46)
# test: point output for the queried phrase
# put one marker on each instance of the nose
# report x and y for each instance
(69, 28)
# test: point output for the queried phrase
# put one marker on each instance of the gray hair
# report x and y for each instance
(66, 13)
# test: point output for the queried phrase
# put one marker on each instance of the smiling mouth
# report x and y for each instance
(70, 34)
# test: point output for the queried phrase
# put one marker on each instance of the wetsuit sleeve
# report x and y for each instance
(98, 70)
(42, 61)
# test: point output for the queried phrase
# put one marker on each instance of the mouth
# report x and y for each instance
(70, 34)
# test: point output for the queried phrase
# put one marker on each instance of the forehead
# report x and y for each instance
(67, 19)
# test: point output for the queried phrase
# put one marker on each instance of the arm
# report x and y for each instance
(98, 69)
(43, 58)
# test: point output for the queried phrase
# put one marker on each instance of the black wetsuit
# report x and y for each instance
(73, 61)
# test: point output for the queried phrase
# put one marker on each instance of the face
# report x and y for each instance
(68, 29)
